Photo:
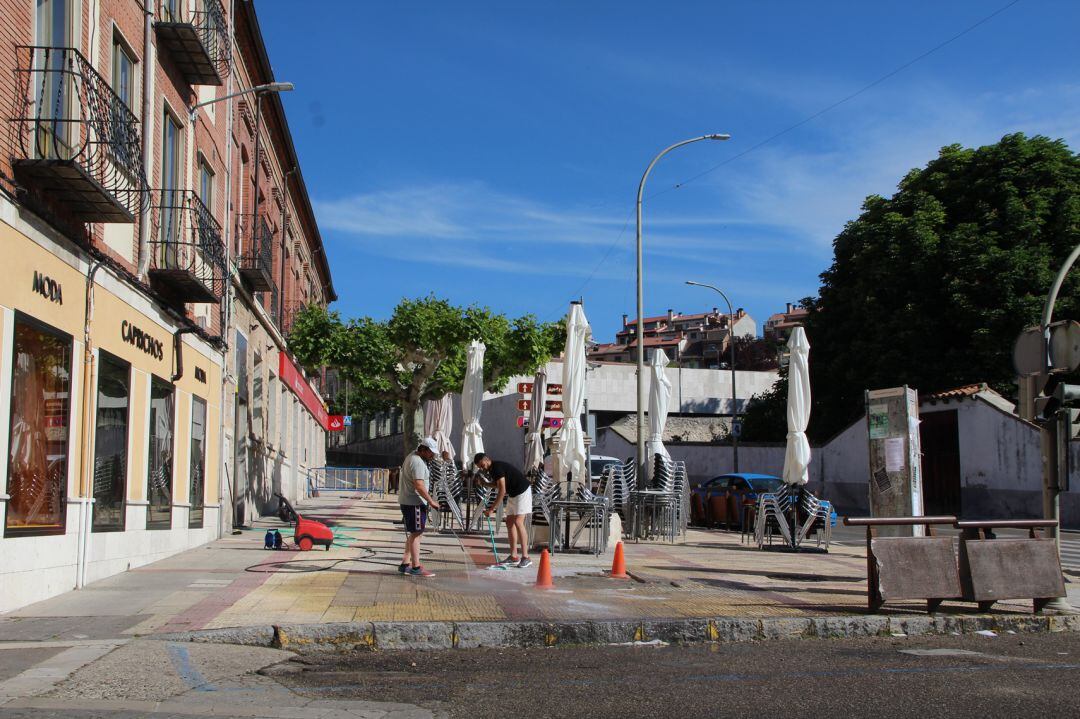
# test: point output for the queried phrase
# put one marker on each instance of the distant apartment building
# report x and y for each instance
(147, 394)
(697, 340)
(779, 326)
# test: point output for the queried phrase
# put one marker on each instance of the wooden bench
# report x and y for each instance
(993, 569)
(909, 567)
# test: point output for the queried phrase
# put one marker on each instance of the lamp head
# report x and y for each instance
(278, 87)
(719, 136)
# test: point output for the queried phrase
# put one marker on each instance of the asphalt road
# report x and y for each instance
(971, 676)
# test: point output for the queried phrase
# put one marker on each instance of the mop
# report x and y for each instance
(491, 536)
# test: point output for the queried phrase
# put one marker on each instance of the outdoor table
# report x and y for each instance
(593, 514)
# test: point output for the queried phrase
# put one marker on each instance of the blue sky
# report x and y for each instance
(490, 152)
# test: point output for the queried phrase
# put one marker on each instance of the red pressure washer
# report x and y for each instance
(307, 532)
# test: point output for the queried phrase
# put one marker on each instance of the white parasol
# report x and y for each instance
(572, 445)
(797, 455)
(472, 401)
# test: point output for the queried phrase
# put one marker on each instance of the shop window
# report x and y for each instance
(110, 443)
(160, 455)
(38, 446)
(197, 487)
(271, 411)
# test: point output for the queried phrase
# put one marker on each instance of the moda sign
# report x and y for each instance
(48, 288)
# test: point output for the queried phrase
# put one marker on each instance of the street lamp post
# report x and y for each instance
(641, 309)
(731, 360)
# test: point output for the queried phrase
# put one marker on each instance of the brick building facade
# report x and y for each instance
(159, 240)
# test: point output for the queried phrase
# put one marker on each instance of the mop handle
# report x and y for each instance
(491, 535)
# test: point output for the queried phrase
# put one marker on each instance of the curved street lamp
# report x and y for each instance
(640, 309)
(731, 360)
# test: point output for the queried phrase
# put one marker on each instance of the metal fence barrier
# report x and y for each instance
(369, 480)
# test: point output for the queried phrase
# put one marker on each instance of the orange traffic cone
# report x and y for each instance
(543, 572)
(618, 567)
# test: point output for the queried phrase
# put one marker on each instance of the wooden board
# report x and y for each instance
(916, 568)
(995, 569)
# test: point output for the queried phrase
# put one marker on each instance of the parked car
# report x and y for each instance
(749, 484)
(597, 462)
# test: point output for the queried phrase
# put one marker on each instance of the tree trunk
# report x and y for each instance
(409, 433)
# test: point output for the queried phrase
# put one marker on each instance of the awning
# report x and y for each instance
(294, 379)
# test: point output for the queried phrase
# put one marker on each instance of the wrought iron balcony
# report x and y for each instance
(289, 312)
(74, 142)
(187, 260)
(197, 40)
(256, 258)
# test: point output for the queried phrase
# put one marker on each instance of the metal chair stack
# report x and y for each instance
(615, 487)
(446, 489)
(774, 511)
(818, 519)
(663, 509)
(545, 491)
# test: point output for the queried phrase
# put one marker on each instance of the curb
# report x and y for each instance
(344, 636)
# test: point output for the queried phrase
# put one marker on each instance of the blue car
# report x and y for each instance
(748, 484)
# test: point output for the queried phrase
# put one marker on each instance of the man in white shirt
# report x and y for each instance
(414, 500)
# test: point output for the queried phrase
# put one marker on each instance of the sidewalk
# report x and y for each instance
(233, 582)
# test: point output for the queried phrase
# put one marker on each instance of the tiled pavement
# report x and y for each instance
(234, 582)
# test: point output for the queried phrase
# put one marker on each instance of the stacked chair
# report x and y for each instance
(616, 483)
(447, 489)
(663, 510)
(773, 516)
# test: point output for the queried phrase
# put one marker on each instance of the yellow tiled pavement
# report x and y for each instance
(712, 574)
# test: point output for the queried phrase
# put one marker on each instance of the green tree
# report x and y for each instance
(930, 287)
(765, 416)
(419, 353)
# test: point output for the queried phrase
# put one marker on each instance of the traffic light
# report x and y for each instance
(1057, 395)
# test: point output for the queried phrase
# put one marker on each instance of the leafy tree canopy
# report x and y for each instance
(419, 353)
(930, 287)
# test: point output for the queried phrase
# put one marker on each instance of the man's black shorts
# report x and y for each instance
(415, 518)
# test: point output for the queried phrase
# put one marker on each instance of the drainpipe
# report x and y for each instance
(178, 354)
(85, 498)
(147, 148)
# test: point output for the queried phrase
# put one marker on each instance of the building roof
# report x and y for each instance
(978, 390)
(263, 58)
(677, 429)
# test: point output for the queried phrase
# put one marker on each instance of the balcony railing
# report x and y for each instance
(187, 256)
(256, 257)
(197, 40)
(74, 143)
(290, 311)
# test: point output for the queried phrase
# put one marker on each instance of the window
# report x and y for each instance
(271, 411)
(123, 72)
(110, 443)
(171, 11)
(171, 200)
(197, 486)
(159, 468)
(258, 420)
(206, 184)
(38, 445)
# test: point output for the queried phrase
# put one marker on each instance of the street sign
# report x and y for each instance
(527, 388)
(347, 419)
(736, 429)
(335, 423)
(1065, 345)
(1029, 352)
(551, 405)
(549, 422)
